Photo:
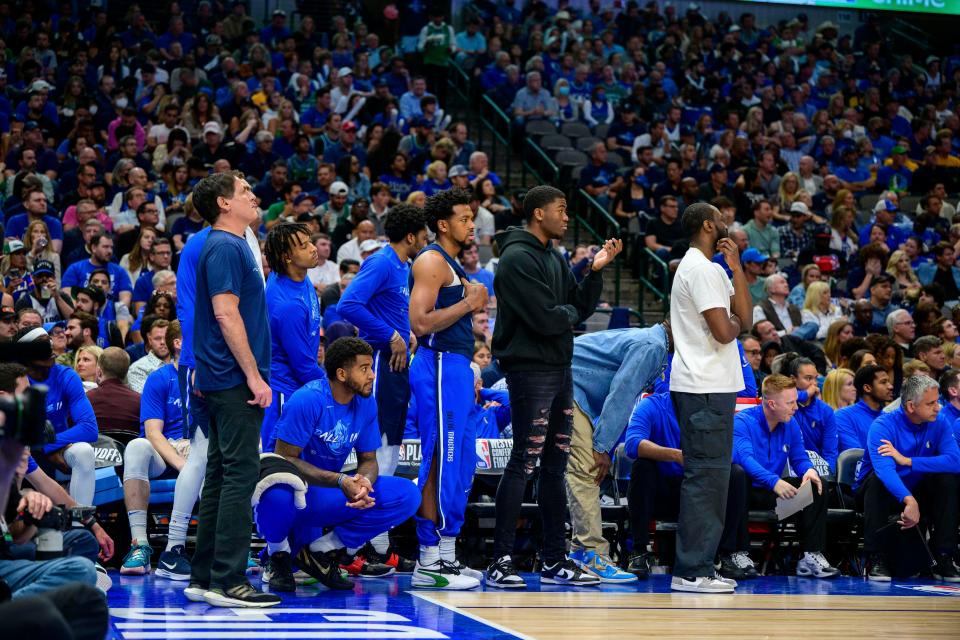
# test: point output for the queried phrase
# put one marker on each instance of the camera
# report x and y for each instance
(25, 416)
(50, 528)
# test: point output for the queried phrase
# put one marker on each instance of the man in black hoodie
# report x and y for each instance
(539, 304)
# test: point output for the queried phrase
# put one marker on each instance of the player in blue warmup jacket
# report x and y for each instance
(294, 310)
(950, 396)
(653, 442)
(763, 451)
(814, 416)
(377, 302)
(874, 390)
(442, 302)
(72, 417)
(323, 422)
(163, 448)
(910, 469)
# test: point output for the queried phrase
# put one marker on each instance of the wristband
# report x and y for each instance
(340, 479)
(89, 522)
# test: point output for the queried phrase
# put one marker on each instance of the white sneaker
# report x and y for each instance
(730, 581)
(194, 592)
(441, 575)
(467, 571)
(814, 565)
(104, 581)
(704, 584)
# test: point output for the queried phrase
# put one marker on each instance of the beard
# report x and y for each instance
(359, 389)
(722, 233)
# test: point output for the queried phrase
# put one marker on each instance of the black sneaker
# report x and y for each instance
(323, 567)
(946, 569)
(640, 565)
(363, 565)
(503, 575)
(878, 571)
(567, 572)
(395, 560)
(736, 566)
(278, 572)
(242, 595)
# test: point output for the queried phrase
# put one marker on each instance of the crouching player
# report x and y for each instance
(321, 423)
(160, 449)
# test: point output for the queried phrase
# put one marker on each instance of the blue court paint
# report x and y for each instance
(150, 608)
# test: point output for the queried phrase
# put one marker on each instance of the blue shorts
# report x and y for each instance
(271, 416)
(392, 391)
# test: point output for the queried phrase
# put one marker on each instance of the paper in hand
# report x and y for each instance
(788, 507)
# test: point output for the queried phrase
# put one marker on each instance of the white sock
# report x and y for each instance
(177, 534)
(381, 543)
(329, 542)
(352, 551)
(274, 547)
(429, 555)
(138, 525)
(448, 548)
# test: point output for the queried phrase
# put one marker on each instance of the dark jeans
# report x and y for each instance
(937, 496)
(652, 494)
(73, 612)
(811, 522)
(541, 407)
(706, 439)
(233, 466)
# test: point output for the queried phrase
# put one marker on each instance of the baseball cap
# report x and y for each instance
(94, 294)
(457, 170)
(883, 278)
(884, 205)
(419, 121)
(40, 85)
(338, 188)
(897, 150)
(563, 15)
(306, 216)
(716, 167)
(212, 127)
(31, 125)
(15, 245)
(753, 255)
(799, 208)
(345, 71)
(304, 196)
(734, 28)
(369, 245)
(43, 266)
(349, 125)
(280, 12)
(7, 313)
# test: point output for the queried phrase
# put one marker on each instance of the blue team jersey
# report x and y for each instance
(653, 419)
(162, 399)
(458, 337)
(68, 409)
(377, 302)
(326, 430)
(294, 332)
(187, 292)
(78, 275)
(227, 266)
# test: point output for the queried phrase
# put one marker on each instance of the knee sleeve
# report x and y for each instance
(136, 460)
(80, 457)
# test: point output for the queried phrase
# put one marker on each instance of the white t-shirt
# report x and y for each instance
(701, 364)
(327, 273)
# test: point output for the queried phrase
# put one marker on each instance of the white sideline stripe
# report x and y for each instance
(475, 618)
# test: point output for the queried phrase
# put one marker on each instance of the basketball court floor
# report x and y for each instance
(147, 608)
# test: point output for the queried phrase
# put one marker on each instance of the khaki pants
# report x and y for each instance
(583, 495)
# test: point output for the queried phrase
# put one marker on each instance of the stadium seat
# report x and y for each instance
(601, 130)
(555, 142)
(536, 129)
(575, 130)
(586, 143)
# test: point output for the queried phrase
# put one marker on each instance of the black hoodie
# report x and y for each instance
(538, 304)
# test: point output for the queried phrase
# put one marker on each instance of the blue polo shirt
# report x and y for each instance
(653, 419)
(763, 453)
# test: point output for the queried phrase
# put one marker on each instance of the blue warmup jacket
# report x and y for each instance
(853, 422)
(763, 453)
(819, 429)
(931, 447)
(377, 302)
(68, 409)
(653, 419)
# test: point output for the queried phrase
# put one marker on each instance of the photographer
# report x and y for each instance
(45, 296)
(46, 614)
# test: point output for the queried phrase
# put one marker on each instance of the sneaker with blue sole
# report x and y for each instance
(137, 561)
(601, 566)
(174, 564)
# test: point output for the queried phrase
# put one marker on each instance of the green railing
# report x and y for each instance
(658, 282)
(498, 125)
(537, 162)
(602, 225)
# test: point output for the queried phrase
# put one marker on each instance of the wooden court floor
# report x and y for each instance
(584, 615)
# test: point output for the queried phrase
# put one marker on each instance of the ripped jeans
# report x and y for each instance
(541, 406)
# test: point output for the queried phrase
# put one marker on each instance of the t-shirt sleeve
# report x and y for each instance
(122, 280)
(153, 399)
(224, 269)
(369, 439)
(710, 288)
(300, 414)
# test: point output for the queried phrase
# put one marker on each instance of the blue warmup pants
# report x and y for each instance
(271, 416)
(443, 385)
(196, 411)
(396, 500)
(392, 391)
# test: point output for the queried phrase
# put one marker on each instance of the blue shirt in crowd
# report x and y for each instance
(78, 275)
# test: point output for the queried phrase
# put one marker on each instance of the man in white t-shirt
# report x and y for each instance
(704, 381)
(327, 271)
